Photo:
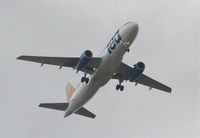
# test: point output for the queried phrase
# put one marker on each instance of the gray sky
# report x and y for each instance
(167, 43)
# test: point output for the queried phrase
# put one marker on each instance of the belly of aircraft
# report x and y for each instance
(86, 91)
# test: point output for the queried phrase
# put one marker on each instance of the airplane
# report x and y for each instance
(100, 70)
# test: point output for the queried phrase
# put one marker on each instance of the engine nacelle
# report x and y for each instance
(84, 59)
(137, 71)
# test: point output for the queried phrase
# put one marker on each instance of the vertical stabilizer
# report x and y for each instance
(69, 91)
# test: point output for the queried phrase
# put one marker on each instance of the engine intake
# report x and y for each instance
(137, 70)
(88, 53)
(84, 59)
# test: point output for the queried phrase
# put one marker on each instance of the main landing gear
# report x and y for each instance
(85, 79)
(119, 87)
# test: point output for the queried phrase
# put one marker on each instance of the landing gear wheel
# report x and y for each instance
(86, 80)
(82, 79)
(121, 88)
(117, 87)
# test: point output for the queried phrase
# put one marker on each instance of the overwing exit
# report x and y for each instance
(98, 71)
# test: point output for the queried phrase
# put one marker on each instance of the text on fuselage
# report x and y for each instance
(116, 39)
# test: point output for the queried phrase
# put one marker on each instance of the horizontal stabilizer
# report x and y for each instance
(63, 106)
(55, 106)
(84, 112)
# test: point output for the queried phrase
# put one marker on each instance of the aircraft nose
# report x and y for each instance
(129, 31)
(133, 27)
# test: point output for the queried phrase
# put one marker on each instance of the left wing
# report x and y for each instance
(124, 71)
(63, 62)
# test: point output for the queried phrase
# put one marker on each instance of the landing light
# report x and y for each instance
(126, 43)
(94, 69)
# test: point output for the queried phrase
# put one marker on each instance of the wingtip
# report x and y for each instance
(170, 90)
(18, 57)
(93, 116)
(40, 105)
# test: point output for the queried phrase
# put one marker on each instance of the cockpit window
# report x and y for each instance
(126, 23)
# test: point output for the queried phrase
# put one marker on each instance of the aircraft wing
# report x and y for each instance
(124, 71)
(63, 62)
(145, 80)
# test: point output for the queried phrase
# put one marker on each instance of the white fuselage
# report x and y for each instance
(111, 60)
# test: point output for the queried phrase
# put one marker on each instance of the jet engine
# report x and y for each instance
(83, 60)
(137, 71)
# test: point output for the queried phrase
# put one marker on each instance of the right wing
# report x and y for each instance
(63, 62)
